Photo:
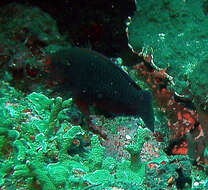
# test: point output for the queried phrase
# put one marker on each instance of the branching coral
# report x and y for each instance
(48, 152)
(135, 149)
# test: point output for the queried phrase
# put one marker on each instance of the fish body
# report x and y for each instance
(95, 80)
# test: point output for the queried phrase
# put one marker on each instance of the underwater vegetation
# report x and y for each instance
(72, 118)
(41, 149)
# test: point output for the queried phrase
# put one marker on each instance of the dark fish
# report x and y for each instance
(94, 80)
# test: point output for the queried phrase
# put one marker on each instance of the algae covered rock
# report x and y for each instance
(99, 177)
(199, 84)
(174, 32)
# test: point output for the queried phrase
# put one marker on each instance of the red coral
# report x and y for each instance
(182, 149)
(180, 119)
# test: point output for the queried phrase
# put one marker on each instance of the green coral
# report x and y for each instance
(20, 151)
(5, 168)
(99, 177)
(37, 170)
(126, 175)
(133, 171)
(109, 164)
(2, 144)
(67, 139)
(40, 103)
(135, 149)
(96, 155)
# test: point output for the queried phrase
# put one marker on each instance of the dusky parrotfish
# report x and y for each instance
(94, 80)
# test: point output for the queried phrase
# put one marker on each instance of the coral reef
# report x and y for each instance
(178, 84)
(47, 143)
(47, 152)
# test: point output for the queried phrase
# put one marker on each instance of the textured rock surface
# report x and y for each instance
(175, 33)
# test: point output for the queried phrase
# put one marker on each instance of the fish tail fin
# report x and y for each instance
(148, 114)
